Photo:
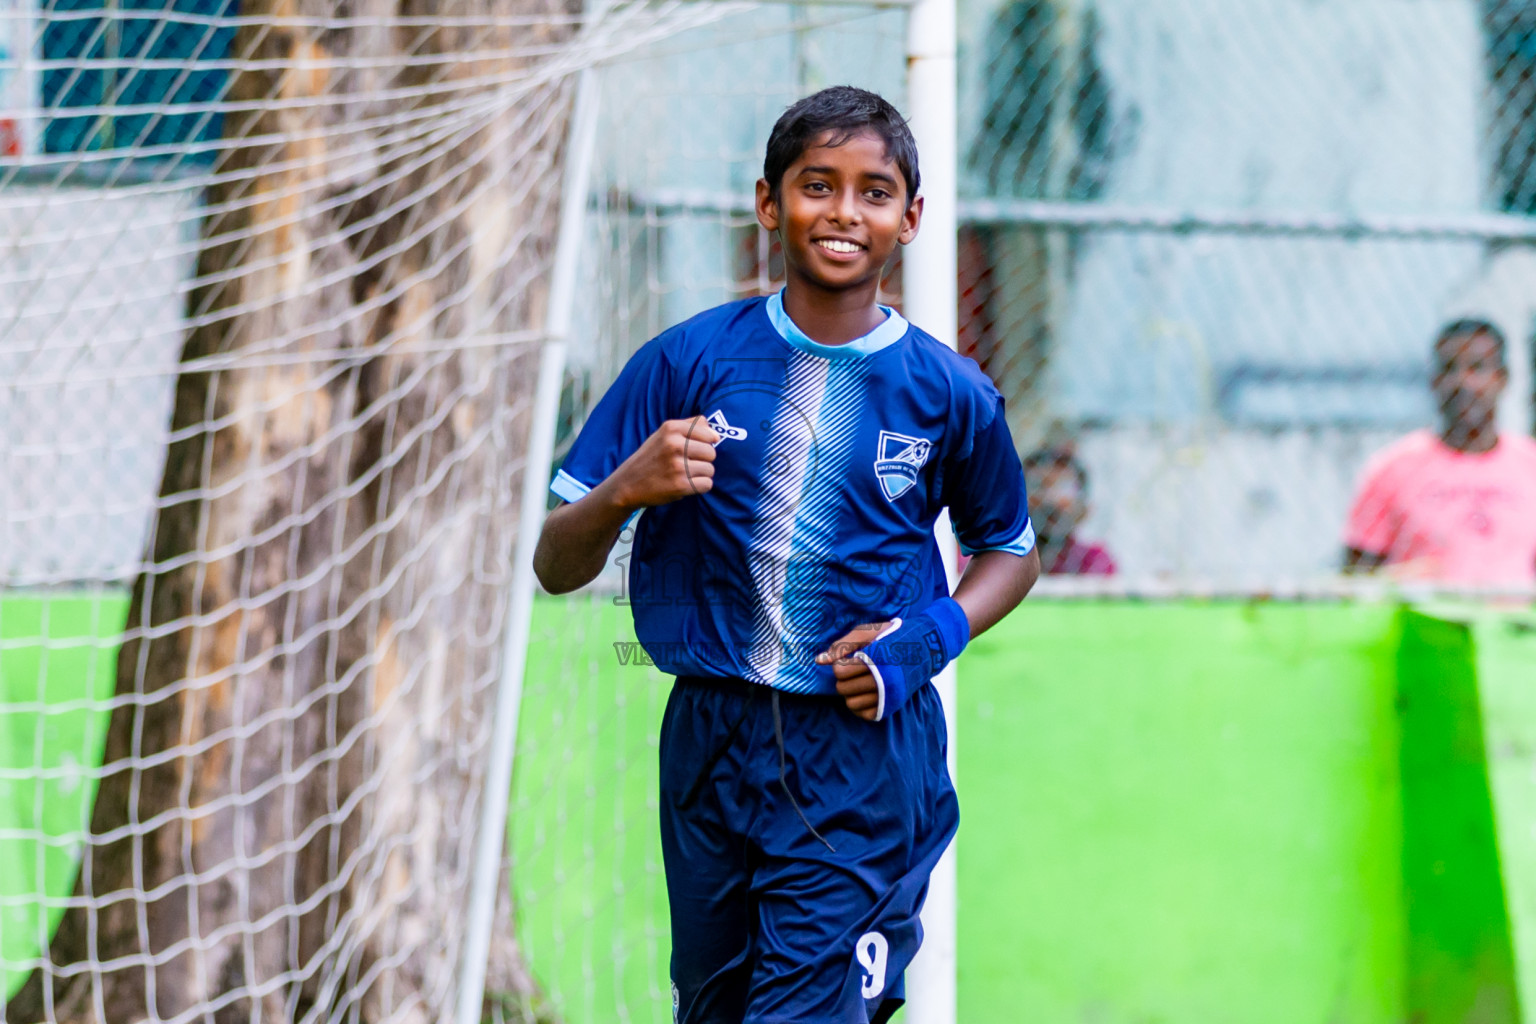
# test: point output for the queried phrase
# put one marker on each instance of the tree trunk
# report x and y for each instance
(286, 819)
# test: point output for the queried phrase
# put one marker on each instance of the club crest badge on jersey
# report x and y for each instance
(898, 460)
(724, 429)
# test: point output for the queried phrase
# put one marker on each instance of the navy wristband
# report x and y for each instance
(910, 653)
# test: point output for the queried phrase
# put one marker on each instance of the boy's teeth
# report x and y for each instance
(839, 246)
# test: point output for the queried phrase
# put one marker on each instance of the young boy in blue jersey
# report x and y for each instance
(791, 455)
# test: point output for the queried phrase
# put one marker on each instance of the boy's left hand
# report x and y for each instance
(855, 684)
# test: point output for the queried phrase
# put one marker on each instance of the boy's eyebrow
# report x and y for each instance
(873, 175)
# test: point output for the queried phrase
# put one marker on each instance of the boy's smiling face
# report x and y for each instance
(840, 212)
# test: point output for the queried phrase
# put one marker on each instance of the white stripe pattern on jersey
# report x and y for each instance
(786, 458)
(803, 535)
(822, 498)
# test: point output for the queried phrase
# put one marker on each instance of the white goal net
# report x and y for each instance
(275, 290)
(278, 282)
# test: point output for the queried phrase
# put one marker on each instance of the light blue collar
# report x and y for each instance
(888, 333)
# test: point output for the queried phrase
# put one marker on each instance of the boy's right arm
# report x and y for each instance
(674, 462)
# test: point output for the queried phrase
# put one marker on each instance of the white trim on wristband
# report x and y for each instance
(874, 669)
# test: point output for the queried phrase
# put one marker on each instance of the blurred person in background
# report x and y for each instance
(1058, 504)
(1457, 507)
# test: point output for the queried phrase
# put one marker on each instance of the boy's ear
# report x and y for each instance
(911, 220)
(767, 206)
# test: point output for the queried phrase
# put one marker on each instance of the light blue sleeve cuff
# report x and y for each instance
(1022, 545)
(568, 488)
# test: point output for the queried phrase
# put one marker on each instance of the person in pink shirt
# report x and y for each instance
(1058, 504)
(1457, 507)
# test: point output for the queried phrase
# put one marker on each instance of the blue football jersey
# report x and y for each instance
(832, 465)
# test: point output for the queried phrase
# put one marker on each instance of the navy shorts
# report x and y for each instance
(797, 901)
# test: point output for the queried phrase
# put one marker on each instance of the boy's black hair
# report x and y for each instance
(1465, 328)
(843, 111)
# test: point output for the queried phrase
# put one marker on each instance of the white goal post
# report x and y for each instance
(929, 291)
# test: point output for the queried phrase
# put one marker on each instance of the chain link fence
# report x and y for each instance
(1205, 253)
(1207, 250)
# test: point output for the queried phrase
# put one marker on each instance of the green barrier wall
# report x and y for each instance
(588, 888)
(1504, 649)
(49, 691)
(1180, 813)
(53, 671)
(1236, 812)
(1243, 813)
(1459, 956)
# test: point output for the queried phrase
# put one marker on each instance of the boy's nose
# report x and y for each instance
(845, 208)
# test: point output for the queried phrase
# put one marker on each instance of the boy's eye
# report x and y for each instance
(818, 186)
(878, 193)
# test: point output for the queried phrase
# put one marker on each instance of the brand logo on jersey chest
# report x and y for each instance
(724, 429)
(898, 459)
